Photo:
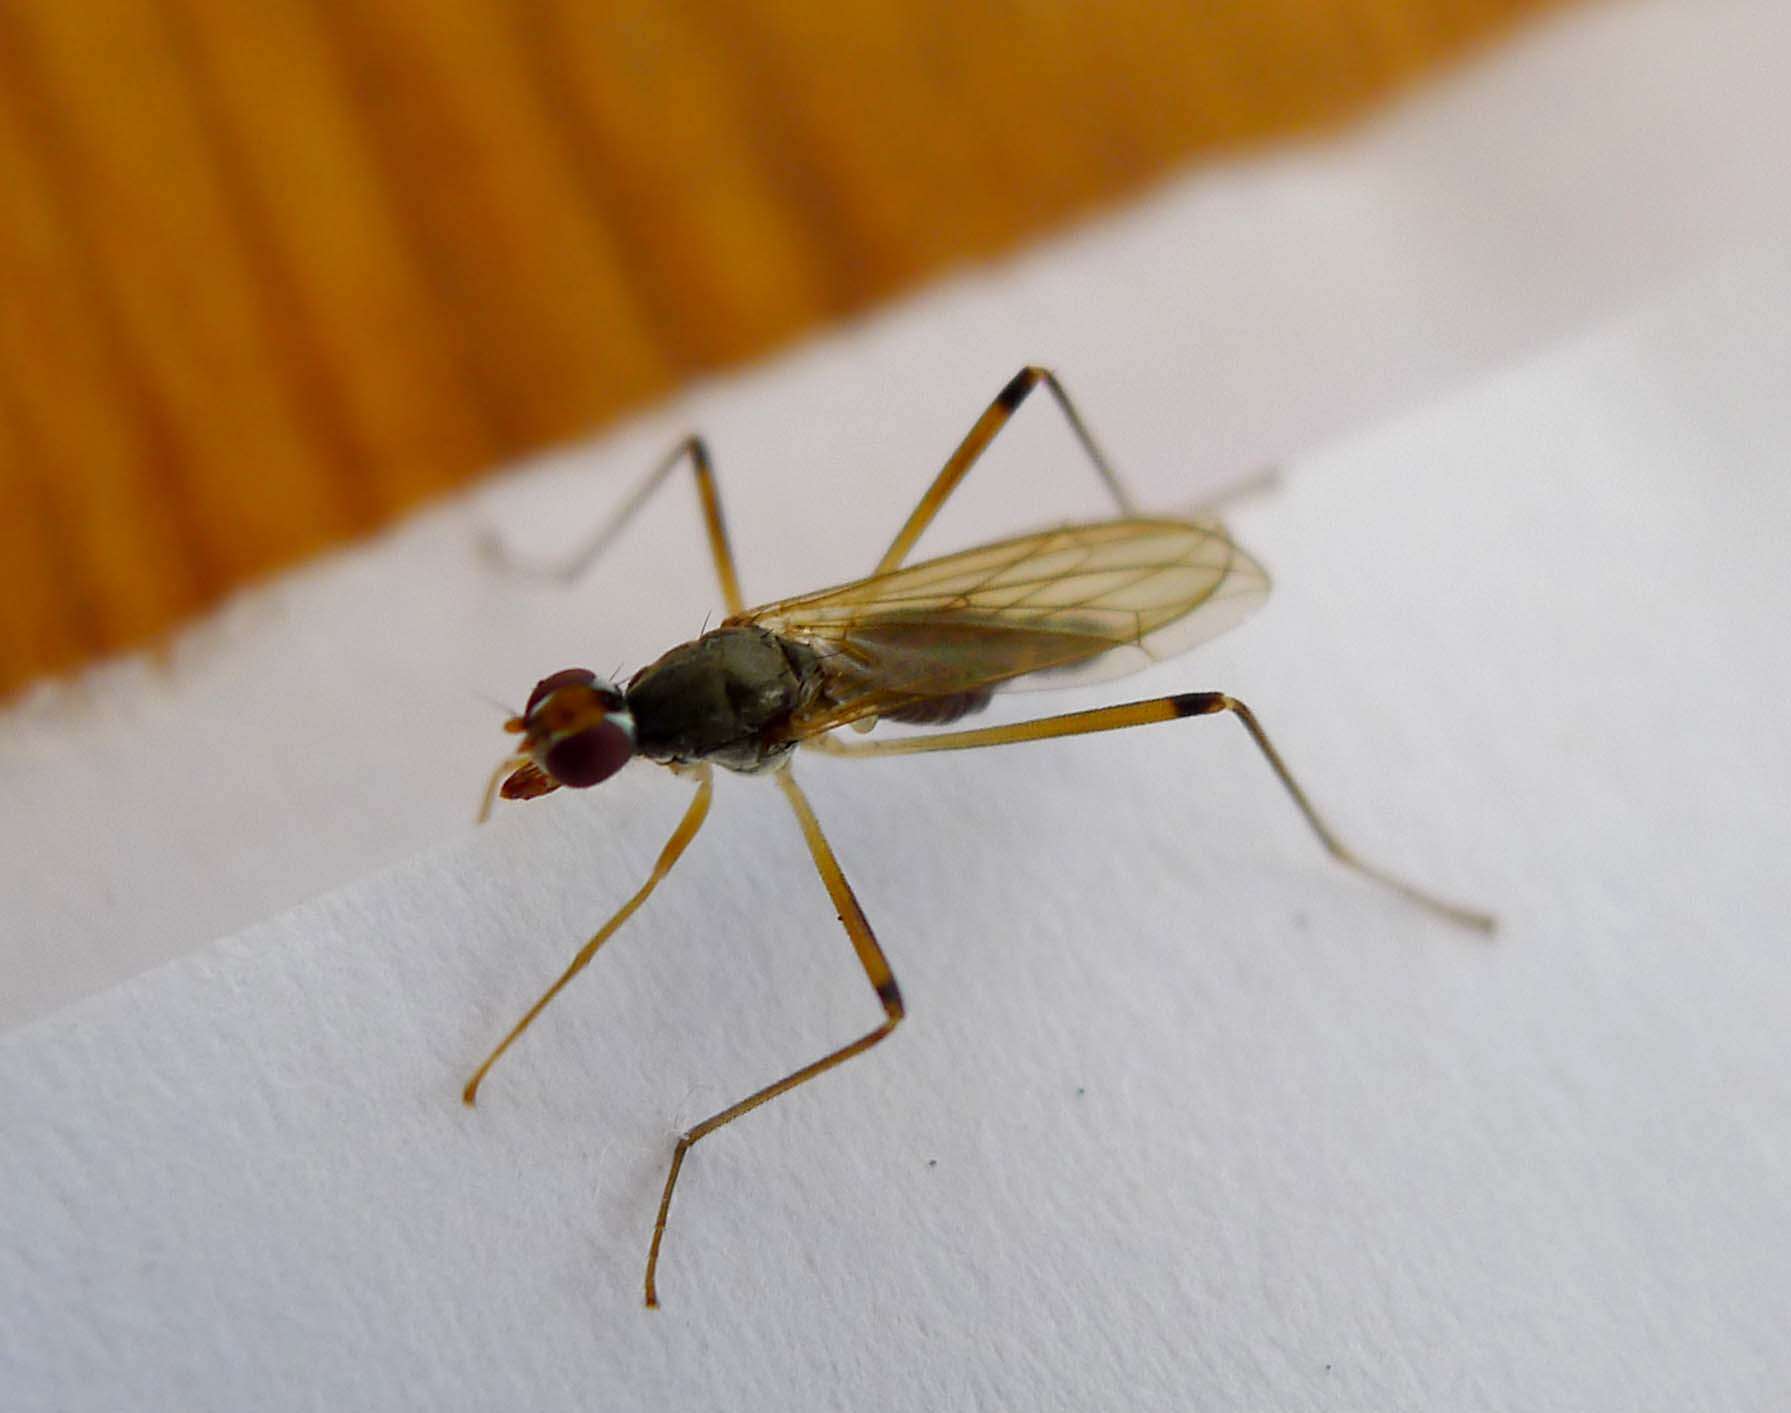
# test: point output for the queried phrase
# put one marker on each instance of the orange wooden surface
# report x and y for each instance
(271, 272)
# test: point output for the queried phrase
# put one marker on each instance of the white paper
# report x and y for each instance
(1185, 1116)
(339, 721)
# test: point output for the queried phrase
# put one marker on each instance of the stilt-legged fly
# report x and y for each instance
(924, 644)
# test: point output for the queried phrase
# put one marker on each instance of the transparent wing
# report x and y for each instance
(1086, 602)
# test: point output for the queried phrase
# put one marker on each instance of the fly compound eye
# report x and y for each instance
(592, 753)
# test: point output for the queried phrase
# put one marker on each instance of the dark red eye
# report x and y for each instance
(595, 753)
(565, 677)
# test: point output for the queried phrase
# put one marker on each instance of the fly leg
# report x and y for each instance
(674, 847)
(876, 970)
(976, 441)
(1171, 708)
(573, 565)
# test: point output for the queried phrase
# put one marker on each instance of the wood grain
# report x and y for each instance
(271, 273)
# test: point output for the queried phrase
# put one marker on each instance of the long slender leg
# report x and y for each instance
(586, 554)
(675, 846)
(1172, 708)
(976, 441)
(876, 968)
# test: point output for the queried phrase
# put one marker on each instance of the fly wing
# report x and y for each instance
(1082, 603)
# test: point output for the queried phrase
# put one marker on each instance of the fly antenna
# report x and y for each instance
(506, 711)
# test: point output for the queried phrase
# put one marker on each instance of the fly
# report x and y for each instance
(923, 644)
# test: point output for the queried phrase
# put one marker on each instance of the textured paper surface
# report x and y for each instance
(334, 724)
(1185, 1116)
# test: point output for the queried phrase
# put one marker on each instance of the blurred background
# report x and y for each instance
(271, 274)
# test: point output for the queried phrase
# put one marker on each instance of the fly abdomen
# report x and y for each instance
(942, 711)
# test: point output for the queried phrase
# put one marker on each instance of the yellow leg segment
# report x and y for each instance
(876, 969)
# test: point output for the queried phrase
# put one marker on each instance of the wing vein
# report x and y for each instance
(1081, 602)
